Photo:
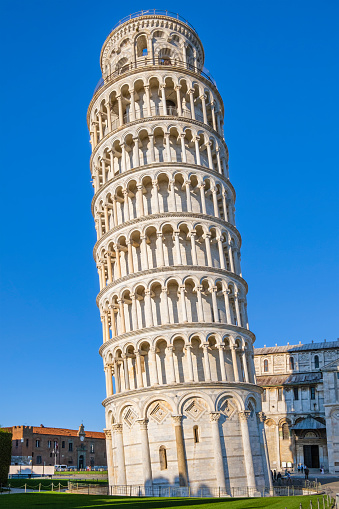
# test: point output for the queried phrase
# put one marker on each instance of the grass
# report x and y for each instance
(69, 501)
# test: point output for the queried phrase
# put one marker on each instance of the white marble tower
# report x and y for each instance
(185, 409)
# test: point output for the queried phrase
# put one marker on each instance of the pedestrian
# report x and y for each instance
(306, 472)
(279, 478)
(302, 468)
(274, 475)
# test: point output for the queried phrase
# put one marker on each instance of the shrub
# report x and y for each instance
(5, 454)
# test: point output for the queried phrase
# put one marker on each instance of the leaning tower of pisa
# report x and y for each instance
(184, 409)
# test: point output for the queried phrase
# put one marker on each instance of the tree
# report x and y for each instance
(5, 454)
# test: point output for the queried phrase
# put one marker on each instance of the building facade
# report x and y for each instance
(57, 446)
(301, 403)
(172, 297)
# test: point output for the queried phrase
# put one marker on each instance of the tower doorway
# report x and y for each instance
(311, 456)
(81, 462)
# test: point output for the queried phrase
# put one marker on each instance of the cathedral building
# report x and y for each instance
(301, 403)
(182, 405)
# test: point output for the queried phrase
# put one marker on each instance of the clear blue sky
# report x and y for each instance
(275, 63)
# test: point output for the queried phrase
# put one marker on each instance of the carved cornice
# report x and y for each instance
(147, 331)
(166, 215)
(156, 118)
(178, 386)
(166, 165)
(170, 269)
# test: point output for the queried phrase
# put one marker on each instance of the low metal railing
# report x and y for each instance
(157, 12)
(146, 62)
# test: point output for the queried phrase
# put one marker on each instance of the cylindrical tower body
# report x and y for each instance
(184, 408)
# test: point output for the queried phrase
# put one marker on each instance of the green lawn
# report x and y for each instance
(69, 501)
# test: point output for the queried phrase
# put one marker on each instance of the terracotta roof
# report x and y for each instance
(295, 379)
(325, 345)
(41, 430)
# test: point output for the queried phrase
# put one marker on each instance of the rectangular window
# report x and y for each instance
(264, 396)
(91, 448)
(312, 392)
(38, 460)
(37, 443)
(50, 454)
(27, 442)
(70, 446)
(55, 444)
(63, 444)
(296, 393)
(49, 444)
(280, 392)
(16, 443)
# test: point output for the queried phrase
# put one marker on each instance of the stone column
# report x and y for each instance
(172, 195)
(189, 363)
(183, 148)
(207, 368)
(164, 305)
(140, 199)
(193, 248)
(113, 326)
(191, 92)
(117, 261)
(203, 103)
(131, 91)
(202, 197)
(156, 197)
(244, 363)
(103, 171)
(151, 149)
(207, 237)
(126, 204)
(115, 212)
(263, 443)
(197, 149)
(153, 367)
(106, 219)
(109, 269)
(123, 157)
(168, 147)
(107, 334)
(130, 257)
(119, 442)
(230, 256)
(136, 153)
(215, 202)
(171, 374)
(179, 439)
(148, 102)
(160, 251)
(227, 307)
(177, 89)
(221, 349)
(235, 362)
(221, 253)
(278, 446)
(188, 195)
(145, 452)
(200, 308)
(183, 303)
(213, 292)
(121, 115)
(144, 257)
(213, 116)
(126, 373)
(117, 376)
(218, 457)
(109, 381)
(109, 453)
(218, 160)
(163, 99)
(148, 309)
(243, 417)
(209, 156)
(101, 131)
(134, 312)
(237, 310)
(139, 370)
(177, 247)
(122, 316)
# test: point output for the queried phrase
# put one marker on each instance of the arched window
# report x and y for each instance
(163, 457)
(265, 365)
(285, 431)
(316, 361)
(195, 434)
(291, 363)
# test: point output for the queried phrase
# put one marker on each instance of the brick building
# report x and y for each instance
(58, 446)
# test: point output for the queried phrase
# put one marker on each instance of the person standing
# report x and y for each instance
(307, 471)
